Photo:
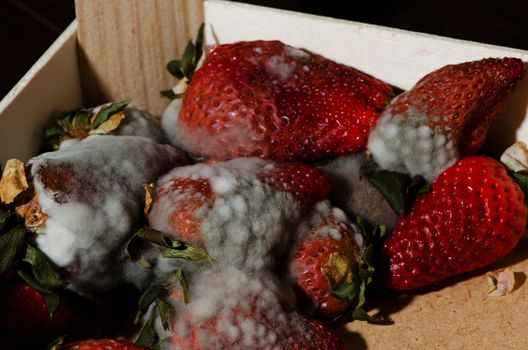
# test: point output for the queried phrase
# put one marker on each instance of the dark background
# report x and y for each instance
(28, 27)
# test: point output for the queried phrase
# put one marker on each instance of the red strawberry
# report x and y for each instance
(190, 197)
(325, 256)
(473, 215)
(102, 344)
(267, 99)
(238, 310)
(264, 331)
(444, 117)
(308, 184)
(25, 321)
(322, 337)
(194, 194)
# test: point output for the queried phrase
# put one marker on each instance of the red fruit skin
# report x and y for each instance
(292, 333)
(198, 194)
(102, 344)
(309, 267)
(462, 99)
(323, 338)
(473, 215)
(266, 99)
(308, 184)
(24, 319)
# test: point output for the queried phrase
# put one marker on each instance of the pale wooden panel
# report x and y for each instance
(126, 44)
(397, 56)
(50, 86)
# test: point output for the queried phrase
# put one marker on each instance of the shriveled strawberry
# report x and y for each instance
(102, 344)
(308, 184)
(473, 215)
(325, 256)
(267, 99)
(444, 117)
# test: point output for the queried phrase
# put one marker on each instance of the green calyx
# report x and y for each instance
(29, 262)
(41, 275)
(156, 296)
(148, 243)
(184, 68)
(399, 190)
(81, 123)
(355, 291)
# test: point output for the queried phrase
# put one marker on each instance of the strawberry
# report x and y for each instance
(322, 338)
(233, 309)
(444, 117)
(324, 257)
(473, 215)
(267, 99)
(193, 195)
(308, 184)
(25, 321)
(101, 344)
(244, 200)
(263, 330)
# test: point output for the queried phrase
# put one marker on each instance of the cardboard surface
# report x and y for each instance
(454, 315)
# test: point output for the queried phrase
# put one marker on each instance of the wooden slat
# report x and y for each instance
(126, 44)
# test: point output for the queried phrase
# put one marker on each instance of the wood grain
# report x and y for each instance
(126, 44)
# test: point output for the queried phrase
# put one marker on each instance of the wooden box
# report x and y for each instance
(454, 315)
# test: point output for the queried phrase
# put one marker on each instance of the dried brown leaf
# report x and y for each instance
(13, 181)
(110, 125)
(149, 197)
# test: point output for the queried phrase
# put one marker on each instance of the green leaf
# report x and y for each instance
(52, 132)
(356, 290)
(107, 112)
(146, 299)
(137, 249)
(11, 244)
(346, 291)
(81, 120)
(5, 215)
(164, 311)
(191, 253)
(199, 45)
(400, 190)
(56, 344)
(173, 248)
(42, 269)
(65, 121)
(51, 299)
(183, 283)
(174, 68)
(154, 236)
(147, 336)
(521, 177)
(170, 94)
(187, 61)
